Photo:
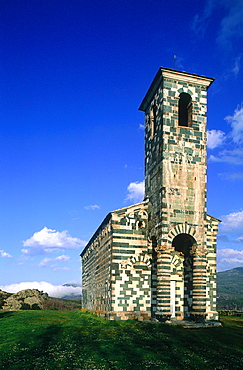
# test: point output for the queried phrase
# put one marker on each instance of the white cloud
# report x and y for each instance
(62, 258)
(46, 261)
(48, 240)
(57, 268)
(231, 26)
(57, 291)
(135, 191)
(232, 222)
(231, 176)
(141, 127)
(92, 207)
(235, 136)
(234, 156)
(215, 138)
(239, 240)
(200, 22)
(236, 122)
(232, 23)
(229, 252)
(5, 254)
(229, 258)
(237, 64)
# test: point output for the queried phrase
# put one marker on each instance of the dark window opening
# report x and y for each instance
(152, 121)
(185, 110)
(184, 243)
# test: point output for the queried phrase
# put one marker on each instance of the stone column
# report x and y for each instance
(163, 284)
(199, 287)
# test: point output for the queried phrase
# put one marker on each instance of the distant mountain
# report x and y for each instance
(230, 289)
(72, 296)
(74, 285)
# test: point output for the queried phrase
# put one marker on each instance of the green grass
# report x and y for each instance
(51, 340)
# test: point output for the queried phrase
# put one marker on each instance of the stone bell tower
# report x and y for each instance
(182, 235)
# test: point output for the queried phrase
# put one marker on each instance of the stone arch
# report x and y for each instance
(143, 214)
(130, 215)
(183, 90)
(184, 229)
(140, 258)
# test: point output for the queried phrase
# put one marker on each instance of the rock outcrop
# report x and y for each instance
(28, 299)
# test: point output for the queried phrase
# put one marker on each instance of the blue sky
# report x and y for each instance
(73, 74)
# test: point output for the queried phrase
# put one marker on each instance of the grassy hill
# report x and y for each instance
(230, 289)
(62, 304)
(47, 340)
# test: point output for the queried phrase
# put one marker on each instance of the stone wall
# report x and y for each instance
(96, 269)
(117, 266)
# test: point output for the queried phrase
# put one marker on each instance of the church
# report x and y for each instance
(157, 258)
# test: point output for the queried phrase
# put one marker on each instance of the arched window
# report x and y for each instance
(185, 110)
(152, 122)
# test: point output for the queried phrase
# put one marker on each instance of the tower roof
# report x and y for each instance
(177, 75)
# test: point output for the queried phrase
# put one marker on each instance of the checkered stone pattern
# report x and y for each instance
(211, 241)
(175, 184)
(117, 266)
(131, 278)
(175, 162)
(159, 256)
(133, 288)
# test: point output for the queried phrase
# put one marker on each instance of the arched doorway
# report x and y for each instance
(184, 243)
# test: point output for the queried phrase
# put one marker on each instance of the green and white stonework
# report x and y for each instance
(158, 258)
(117, 266)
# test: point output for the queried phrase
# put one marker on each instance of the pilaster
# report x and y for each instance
(163, 282)
(199, 287)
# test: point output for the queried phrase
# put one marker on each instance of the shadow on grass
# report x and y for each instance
(49, 335)
(133, 346)
(74, 341)
(5, 314)
(31, 349)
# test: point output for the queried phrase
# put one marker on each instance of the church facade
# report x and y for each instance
(157, 259)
